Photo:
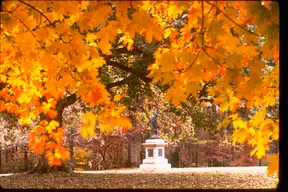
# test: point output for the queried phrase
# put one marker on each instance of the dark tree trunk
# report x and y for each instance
(232, 153)
(12, 152)
(0, 160)
(71, 146)
(6, 154)
(142, 151)
(175, 157)
(129, 163)
(25, 159)
(41, 167)
(189, 155)
(196, 155)
(133, 150)
(260, 162)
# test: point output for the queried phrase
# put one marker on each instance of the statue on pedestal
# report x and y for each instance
(154, 125)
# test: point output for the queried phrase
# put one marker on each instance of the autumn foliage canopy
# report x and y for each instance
(51, 52)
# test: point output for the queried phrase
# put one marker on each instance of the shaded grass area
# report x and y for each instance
(142, 180)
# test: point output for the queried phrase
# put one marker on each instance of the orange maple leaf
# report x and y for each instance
(221, 70)
(249, 20)
(52, 113)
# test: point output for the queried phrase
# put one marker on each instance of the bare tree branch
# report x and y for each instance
(202, 36)
(30, 31)
(38, 12)
(231, 19)
(212, 7)
(7, 37)
(192, 62)
(117, 83)
(202, 28)
(217, 62)
(2, 85)
(130, 70)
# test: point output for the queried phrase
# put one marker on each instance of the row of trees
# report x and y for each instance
(189, 129)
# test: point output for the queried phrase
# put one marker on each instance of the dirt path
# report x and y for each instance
(175, 178)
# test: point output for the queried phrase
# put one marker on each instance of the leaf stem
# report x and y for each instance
(7, 37)
(30, 32)
(38, 12)
(217, 62)
(192, 62)
(231, 19)
(202, 29)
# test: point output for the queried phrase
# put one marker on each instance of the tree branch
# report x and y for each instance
(38, 12)
(231, 19)
(217, 62)
(7, 37)
(192, 62)
(129, 70)
(117, 83)
(202, 28)
(65, 102)
(30, 31)
(211, 7)
(202, 36)
(2, 85)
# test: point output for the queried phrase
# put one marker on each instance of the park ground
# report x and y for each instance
(175, 178)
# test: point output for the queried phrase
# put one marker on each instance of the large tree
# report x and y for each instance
(54, 52)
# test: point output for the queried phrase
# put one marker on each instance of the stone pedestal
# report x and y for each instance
(155, 155)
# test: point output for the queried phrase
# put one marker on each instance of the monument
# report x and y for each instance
(155, 148)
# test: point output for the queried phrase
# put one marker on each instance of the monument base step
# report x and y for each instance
(155, 166)
(155, 161)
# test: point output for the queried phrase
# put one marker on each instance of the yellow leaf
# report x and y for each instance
(106, 127)
(142, 22)
(239, 123)
(16, 82)
(87, 129)
(239, 135)
(24, 98)
(252, 131)
(57, 154)
(192, 88)
(105, 46)
(259, 150)
(170, 32)
(90, 37)
(117, 97)
(176, 95)
(258, 118)
(52, 126)
(275, 133)
(224, 123)
(273, 166)
(127, 41)
(7, 21)
(42, 34)
(215, 30)
(167, 78)
(25, 120)
(52, 113)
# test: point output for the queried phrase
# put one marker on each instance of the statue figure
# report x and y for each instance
(153, 123)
